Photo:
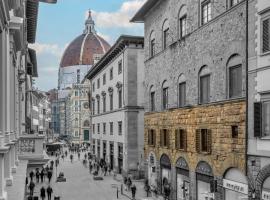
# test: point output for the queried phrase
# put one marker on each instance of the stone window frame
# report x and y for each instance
(165, 30)
(165, 143)
(151, 137)
(165, 86)
(152, 104)
(181, 132)
(181, 80)
(265, 98)
(203, 72)
(182, 14)
(202, 4)
(264, 15)
(209, 141)
(152, 44)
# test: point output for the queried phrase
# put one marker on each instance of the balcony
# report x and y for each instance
(31, 148)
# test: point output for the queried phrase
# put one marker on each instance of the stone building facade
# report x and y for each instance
(259, 99)
(195, 87)
(78, 122)
(117, 106)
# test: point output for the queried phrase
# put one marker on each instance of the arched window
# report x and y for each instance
(204, 85)
(86, 123)
(152, 99)
(181, 91)
(234, 66)
(165, 33)
(152, 44)
(165, 95)
(182, 20)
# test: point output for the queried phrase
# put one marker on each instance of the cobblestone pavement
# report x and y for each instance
(81, 186)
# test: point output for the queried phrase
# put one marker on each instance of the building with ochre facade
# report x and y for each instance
(195, 87)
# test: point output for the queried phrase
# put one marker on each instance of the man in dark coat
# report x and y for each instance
(42, 175)
(31, 188)
(133, 191)
(49, 192)
(31, 175)
(37, 175)
(49, 175)
(42, 193)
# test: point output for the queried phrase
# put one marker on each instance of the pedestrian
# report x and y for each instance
(66, 153)
(79, 155)
(105, 169)
(71, 157)
(26, 182)
(42, 193)
(49, 192)
(37, 175)
(52, 162)
(133, 191)
(129, 183)
(31, 175)
(90, 167)
(85, 156)
(31, 188)
(42, 175)
(49, 175)
(47, 168)
(63, 157)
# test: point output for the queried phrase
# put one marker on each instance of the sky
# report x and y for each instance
(59, 24)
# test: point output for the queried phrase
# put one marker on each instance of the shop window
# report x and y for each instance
(164, 138)
(151, 137)
(203, 141)
(181, 139)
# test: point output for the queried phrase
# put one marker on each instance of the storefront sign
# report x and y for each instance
(235, 186)
(265, 195)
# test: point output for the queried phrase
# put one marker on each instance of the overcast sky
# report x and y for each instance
(59, 24)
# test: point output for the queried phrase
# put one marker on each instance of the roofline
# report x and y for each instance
(119, 45)
(139, 16)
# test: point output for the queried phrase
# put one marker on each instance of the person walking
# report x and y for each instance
(42, 193)
(129, 183)
(31, 188)
(42, 175)
(49, 192)
(133, 191)
(71, 158)
(31, 175)
(49, 175)
(37, 175)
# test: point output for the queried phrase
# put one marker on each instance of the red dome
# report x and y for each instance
(81, 51)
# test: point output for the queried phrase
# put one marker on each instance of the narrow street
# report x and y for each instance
(80, 184)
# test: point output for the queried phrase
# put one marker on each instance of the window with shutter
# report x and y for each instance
(204, 140)
(257, 119)
(185, 140)
(154, 138)
(161, 138)
(149, 132)
(266, 35)
(266, 118)
(198, 140)
(209, 141)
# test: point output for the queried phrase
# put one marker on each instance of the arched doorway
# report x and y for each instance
(204, 177)
(152, 174)
(165, 167)
(235, 184)
(266, 189)
(182, 179)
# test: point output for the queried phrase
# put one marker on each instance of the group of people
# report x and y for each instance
(40, 177)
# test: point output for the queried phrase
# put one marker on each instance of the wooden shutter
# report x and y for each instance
(185, 139)
(257, 119)
(209, 141)
(176, 139)
(148, 132)
(154, 137)
(198, 140)
(161, 138)
(167, 138)
(266, 35)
